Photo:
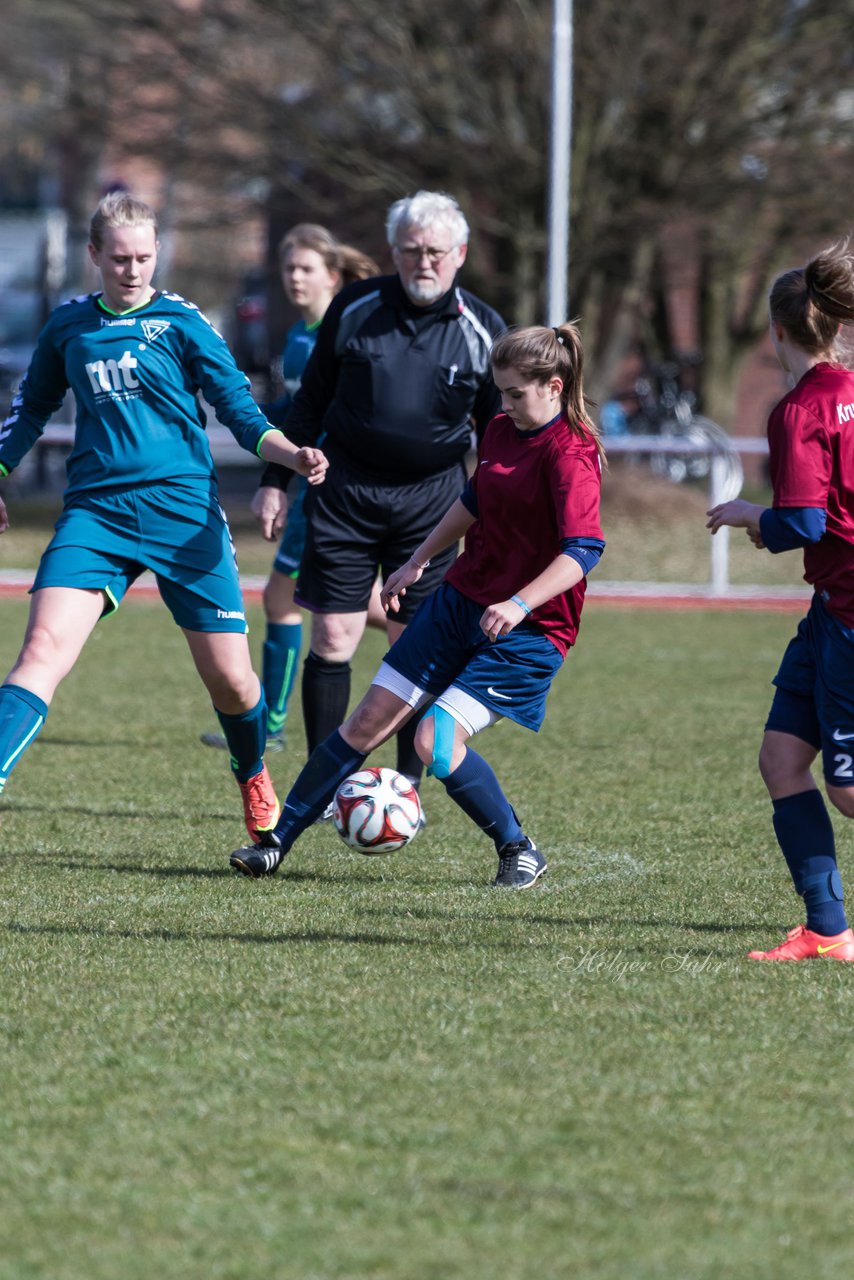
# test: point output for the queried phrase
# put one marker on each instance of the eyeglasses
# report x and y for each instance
(415, 252)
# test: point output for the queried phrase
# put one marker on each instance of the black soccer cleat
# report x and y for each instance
(520, 864)
(257, 860)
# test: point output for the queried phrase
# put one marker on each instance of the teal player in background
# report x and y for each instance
(314, 266)
(142, 491)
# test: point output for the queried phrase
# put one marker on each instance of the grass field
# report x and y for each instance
(381, 1068)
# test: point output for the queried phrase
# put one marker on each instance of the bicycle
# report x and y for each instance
(667, 409)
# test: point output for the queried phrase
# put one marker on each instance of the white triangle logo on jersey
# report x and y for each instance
(153, 328)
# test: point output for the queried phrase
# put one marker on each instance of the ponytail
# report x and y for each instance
(540, 353)
(355, 265)
(811, 302)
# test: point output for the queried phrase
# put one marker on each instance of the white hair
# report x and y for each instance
(427, 209)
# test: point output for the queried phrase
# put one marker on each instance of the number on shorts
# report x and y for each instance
(843, 766)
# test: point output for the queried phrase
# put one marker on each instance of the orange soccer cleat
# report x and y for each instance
(802, 944)
(260, 808)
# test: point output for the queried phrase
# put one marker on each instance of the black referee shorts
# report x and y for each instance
(357, 528)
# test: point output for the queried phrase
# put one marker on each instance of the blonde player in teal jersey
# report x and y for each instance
(141, 491)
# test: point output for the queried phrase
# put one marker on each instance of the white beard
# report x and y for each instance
(424, 291)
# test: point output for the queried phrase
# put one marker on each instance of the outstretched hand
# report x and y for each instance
(738, 514)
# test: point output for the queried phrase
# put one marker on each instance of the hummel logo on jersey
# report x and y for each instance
(842, 737)
(153, 328)
(845, 412)
(505, 697)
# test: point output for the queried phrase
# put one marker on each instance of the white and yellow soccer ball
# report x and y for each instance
(376, 810)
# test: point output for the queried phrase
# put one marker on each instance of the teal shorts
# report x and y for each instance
(104, 541)
(289, 556)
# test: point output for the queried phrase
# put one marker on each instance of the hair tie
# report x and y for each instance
(558, 335)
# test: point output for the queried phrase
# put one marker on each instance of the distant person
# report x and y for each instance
(811, 455)
(314, 266)
(142, 490)
(398, 379)
(490, 639)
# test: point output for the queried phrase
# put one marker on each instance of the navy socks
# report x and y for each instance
(475, 788)
(325, 701)
(327, 767)
(805, 835)
(408, 760)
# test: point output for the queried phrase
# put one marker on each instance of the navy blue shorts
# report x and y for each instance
(104, 541)
(815, 692)
(444, 645)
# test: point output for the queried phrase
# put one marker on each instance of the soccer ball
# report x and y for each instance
(376, 810)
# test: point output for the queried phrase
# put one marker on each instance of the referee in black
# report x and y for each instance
(398, 380)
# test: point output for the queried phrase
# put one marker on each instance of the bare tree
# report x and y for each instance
(710, 139)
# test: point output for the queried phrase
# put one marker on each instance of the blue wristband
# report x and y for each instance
(521, 603)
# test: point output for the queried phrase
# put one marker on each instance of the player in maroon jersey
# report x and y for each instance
(811, 446)
(488, 642)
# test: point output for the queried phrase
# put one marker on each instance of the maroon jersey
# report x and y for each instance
(533, 489)
(811, 446)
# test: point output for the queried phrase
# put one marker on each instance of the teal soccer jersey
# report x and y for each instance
(142, 490)
(135, 379)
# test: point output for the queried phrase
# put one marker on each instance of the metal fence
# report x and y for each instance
(725, 473)
(725, 480)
